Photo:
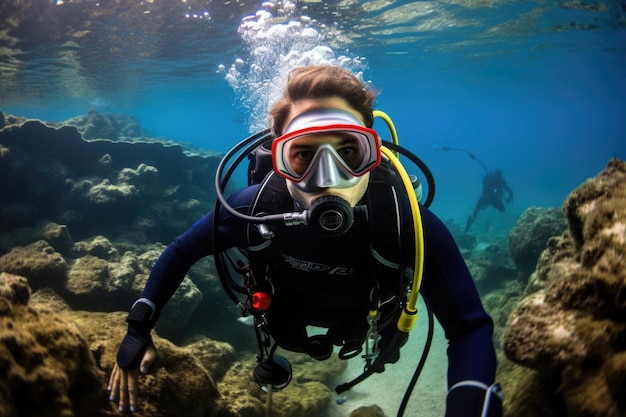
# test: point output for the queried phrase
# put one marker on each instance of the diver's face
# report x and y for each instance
(328, 181)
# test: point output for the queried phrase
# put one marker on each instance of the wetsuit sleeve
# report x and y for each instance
(197, 242)
(450, 291)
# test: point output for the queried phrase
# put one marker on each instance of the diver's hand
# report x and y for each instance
(509, 200)
(124, 384)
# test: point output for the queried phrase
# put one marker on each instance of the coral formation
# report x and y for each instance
(47, 368)
(84, 222)
(569, 331)
(528, 237)
(94, 276)
(492, 267)
(95, 125)
(66, 356)
(100, 186)
(39, 261)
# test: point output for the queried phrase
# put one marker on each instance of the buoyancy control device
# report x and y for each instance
(246, 272)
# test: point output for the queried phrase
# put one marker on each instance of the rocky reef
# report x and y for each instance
(567, 335)
(501, 271)
(55, 362)
(81, 225)
(87, 206)
(136, 191)
(47, 368)
(528, 237)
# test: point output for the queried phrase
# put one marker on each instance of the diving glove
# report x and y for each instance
(474, 399)
(141, 319)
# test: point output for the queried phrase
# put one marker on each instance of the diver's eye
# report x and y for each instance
(351, 155)
(303, 156)
(300, 160)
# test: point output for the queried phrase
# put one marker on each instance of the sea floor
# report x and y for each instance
(387, 389)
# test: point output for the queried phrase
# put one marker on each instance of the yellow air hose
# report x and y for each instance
(409, 314)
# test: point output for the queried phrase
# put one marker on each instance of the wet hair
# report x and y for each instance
(322, 81)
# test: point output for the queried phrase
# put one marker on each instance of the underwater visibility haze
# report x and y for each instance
(534, 88)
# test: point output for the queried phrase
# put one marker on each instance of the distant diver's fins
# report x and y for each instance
(471, 155)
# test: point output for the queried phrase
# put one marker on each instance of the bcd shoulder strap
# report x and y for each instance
(388, 230)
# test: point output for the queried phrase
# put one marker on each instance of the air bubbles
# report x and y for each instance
(204, 15)
(278, 39)
(262, 15)
(324, 52)
(309, 33)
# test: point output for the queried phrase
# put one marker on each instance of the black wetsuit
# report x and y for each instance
(447, 284)
(494, 187)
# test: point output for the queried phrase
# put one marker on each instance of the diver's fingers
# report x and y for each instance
(133, 388)
(123, 395)
(148, 359)
(114, 383)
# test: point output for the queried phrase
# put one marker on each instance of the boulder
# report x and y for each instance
(571, 330)
(47, 367)
(38, 261)
(528, 237)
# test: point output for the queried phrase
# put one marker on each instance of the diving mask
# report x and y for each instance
(325, 148)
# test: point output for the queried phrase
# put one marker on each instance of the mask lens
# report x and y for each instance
(355, 149)
(300, 152)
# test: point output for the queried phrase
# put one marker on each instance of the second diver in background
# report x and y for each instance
(494, 187)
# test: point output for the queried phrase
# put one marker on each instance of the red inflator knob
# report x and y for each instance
(261, 301)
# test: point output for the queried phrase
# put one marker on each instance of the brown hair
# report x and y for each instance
(322, 81)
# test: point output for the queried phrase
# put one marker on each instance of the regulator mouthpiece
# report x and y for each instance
(333, 215)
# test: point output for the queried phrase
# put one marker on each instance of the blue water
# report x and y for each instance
(534, 88)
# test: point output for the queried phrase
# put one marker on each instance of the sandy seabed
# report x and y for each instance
(387, 389)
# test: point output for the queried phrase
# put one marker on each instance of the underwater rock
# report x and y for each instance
(39, 262)
(215, 356)
(179, 308)
(368, 411)
(100, 187)
(500, 304)
(88, 219)
(9, 119)
(558, 259)
(95, 125)
(572, 329)
(56, 235)
(492, 267)
(305, 396)
(98, 246)
(51, 299)
(528, 237)
(104, 194)
(96, 278)
(177, 384)
(47, 367)
(110, 282)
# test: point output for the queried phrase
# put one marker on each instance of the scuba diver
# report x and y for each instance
(333, 237)
(494, 187)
